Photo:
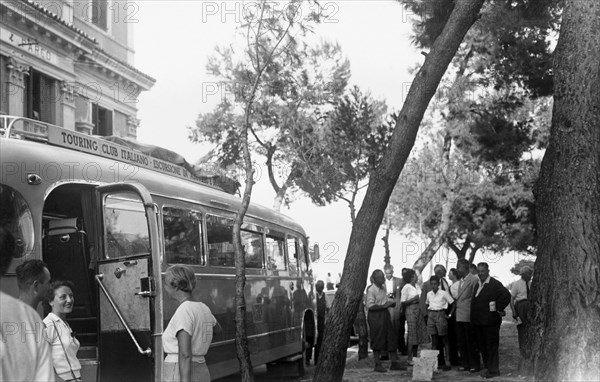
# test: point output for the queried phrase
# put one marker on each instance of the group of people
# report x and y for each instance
(465, 315)
(45, 350)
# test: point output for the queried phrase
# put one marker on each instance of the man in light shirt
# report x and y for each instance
(437, 320)
(519, 303)
(33, 278)
(24, 351)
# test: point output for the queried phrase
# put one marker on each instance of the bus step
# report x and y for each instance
(89, 353)
(87, 339)
(292, 358)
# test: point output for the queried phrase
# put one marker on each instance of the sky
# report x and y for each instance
(173, 40)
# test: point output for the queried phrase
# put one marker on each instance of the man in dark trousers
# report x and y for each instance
(393, 287)
(322, 309)
(464, 331)
(402, 348)
(490, 298)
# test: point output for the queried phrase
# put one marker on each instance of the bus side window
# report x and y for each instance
(183, 236)
(253, 249)
(302, 263)
(220, 246)
(292, 255)
(275, 252)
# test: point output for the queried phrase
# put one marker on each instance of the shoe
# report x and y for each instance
(380, 369)
(474, 370)
(397, 366)
(410, 363)
(462, 368)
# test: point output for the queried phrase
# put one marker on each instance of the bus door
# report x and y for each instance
(130, 297)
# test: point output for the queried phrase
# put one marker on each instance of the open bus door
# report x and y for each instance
(130, 295)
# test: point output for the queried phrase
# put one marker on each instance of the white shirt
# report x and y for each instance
(409, 291)
(196, 319)
(481, 284)
(24, 353)
(64, 347)
(454, 288)
(519, 290)
(389, 285)
(439, 300)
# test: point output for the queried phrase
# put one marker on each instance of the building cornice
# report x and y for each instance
(43, 21)
(86, 49)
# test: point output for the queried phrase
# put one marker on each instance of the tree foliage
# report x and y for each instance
(297, 91)
(494, 108)
(356, 133)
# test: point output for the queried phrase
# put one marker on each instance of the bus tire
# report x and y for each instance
(301, 361)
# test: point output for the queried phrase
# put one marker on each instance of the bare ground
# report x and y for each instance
(362, 371)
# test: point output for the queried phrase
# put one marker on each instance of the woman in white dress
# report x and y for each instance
(59, 334)
(188, 336)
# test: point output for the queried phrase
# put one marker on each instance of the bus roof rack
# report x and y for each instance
(118, 148)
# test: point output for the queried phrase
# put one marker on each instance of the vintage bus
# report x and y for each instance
(111, 219)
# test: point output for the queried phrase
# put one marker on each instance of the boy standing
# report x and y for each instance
(437, 322)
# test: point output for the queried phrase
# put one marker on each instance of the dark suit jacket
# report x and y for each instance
(480, 305)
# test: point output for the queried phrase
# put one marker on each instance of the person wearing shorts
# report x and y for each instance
(437, 321)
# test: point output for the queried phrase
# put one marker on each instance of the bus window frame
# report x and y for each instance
(103, 225)
(274, 233)
(202, 221)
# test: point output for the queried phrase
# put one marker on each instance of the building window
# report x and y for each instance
(102, 119)
(99, 14)
(41, 97)
(3, 85)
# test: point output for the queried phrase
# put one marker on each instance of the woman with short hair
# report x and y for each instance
(189, 333)
(59, 334)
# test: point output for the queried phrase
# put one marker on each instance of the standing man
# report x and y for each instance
(469, 357)
(437, 325)
(519, 303)
(380, 325)
(33, 278)
(322, 309)
(491, 297)
(440, 272)
(393, 287)
(24, 351)
(402, 348)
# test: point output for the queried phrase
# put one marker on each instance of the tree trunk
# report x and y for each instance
(448, 201)
(381, 183)
(386, 246)
(241, 339)
(279, 197)
(563, 340)
(428, 253)
(363, 333)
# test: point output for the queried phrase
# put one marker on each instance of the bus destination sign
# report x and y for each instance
(97, 146)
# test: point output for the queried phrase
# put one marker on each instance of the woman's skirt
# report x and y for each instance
(199, 372)
(417, 330)
(382, 333)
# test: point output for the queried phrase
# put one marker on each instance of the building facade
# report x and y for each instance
(70, 63)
